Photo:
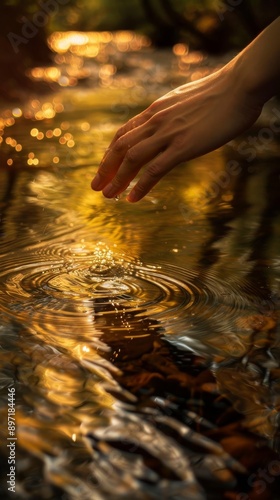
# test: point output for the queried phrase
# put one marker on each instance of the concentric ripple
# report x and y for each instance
(57, 286)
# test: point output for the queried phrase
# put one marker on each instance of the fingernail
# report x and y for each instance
(109, 191)
(96, 183)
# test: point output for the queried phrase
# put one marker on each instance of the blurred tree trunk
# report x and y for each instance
(18, 52)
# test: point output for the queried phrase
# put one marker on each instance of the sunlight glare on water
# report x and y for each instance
(141, 339)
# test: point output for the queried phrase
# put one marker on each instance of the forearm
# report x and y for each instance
(257, 67)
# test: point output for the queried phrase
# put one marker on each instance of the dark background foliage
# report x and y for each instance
(212, 25)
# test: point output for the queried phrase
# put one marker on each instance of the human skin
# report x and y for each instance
(192, 119)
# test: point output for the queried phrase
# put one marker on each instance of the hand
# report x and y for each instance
(185, 123)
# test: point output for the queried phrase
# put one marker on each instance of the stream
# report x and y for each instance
(140, 341)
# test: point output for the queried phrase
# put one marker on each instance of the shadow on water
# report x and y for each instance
(141, 340)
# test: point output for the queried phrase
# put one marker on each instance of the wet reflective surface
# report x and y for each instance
(142, 340)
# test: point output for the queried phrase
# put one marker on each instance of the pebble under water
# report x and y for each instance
(142, 341)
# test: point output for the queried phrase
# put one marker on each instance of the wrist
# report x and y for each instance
(257, 66)
(248, 82)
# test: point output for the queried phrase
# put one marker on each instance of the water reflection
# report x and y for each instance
(142, 340)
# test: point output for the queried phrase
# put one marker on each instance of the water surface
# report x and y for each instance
(141, 340)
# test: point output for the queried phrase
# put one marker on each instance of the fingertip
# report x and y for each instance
(96, 183)
(109, 191)
(132, 197)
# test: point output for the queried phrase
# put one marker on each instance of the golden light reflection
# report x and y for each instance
(58, 107)
(64, 81)
(37, 72)
(180, 49)
(194, 57)
(72, 49)
(68, 136)
(57, 132)
(60, 43)
(35, 103)
(65, 125)
(9, 122)
(34, 132)
(85, 126)
(107, 70)
(201, 191)
(201, 73)
(42, 110)
(90, 44)
(48, 110)
(50, 74)
(33, 161)
(10, 142)
(87, 51)
(17, 112)
(39, 115)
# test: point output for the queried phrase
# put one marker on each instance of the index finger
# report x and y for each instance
(116, 154)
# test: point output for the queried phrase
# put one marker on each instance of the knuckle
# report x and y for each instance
(140, 189)
(133, 122)
(155, 106)
(156, 119)
(132, 156)
(179, 141)
(103, 170)
(120, 132)
(154, 171)
(159, 118)
(179, 121)
(117, 182)
(149, 112)
(119, 145)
